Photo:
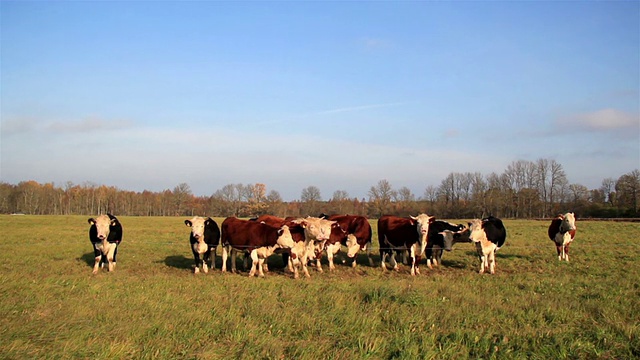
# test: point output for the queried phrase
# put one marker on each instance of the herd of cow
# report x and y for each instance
(303, 240)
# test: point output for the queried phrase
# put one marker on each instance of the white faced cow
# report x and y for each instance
(204, 239)
(316, 233)
(489, 235)
(105, 235)
(562, 231)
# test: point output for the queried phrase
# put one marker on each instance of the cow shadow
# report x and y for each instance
(88, 258)
(454, 264)
(179, 262)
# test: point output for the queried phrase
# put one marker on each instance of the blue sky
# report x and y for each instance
(338, 95)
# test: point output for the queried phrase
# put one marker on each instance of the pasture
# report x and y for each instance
(154, 307)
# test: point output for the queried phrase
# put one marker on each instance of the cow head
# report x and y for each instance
(103, 225)
(568, 222)
(451, 237)
(197, 225)
(352, 246)
(477, 233)
(422, 222)
(316, 229)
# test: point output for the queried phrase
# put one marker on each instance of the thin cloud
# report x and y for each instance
(88, 125)
(601, 120)
(370, 43)
(358, 108)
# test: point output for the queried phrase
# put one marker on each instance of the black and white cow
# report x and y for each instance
(204, 238)
(105, 235)
(489, 235)
(436, 240)
(562, 231)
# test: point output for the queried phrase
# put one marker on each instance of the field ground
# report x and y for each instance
(154, 307)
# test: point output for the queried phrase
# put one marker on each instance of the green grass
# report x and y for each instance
(152, 306)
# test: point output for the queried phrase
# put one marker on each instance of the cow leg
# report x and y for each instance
(394, 263)
(197, 260)
(492, 262)
(368, 246)
(254, 263)
(206, 257)
(98, 258)
(213, 257)
(330, 257)
(115, 253)
(559, 249)
(96, 265)
(566, 252)
(383, 256)
(225, 255)
(303, 263)
(294, 268)
(482, 261)
(234, 255)
(110, 250)
(289, 264)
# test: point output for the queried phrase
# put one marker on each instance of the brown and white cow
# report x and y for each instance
(562, 231)
(396, 233)
(259, 239)
(204, 239)
(489, 235)
(358, 237)
(105, 235)
(297, 234)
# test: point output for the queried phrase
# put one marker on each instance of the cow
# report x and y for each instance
(204, 239)
(259, 239)
(297, 234)
(105, 235)
(488, 235)
(317, 232)
(436, 240)
(396, 233)
(562, 231)
(337, 237)
(358, 237)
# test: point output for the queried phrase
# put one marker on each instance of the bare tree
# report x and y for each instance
(628, 191)
(608, 188)
(310, 197)
(380, 197)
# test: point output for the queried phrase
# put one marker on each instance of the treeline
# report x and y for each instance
(525, 189)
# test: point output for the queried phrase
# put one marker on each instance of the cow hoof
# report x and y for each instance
(196, 270)
(94, 272)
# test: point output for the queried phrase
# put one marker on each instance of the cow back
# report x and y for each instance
(357, 225)
(398, 231)
(495, 230)
(211, 232)
(248, 235)
(554, 228)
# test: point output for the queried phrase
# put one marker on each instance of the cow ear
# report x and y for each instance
(113, 222)
(188, 223)
(280, 231)
(91, 221)
(432, 219)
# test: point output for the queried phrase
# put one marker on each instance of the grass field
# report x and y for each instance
(154, 307)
